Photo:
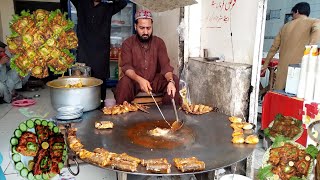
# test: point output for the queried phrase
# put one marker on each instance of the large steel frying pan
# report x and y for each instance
(208, 138)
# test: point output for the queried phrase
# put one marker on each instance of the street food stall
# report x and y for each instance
(208, 141)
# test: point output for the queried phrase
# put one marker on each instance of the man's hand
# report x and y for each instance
(171, 89)
(263, 72)
(4, 59)
(144, 85)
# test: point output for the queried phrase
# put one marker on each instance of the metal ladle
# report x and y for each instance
(178, 123)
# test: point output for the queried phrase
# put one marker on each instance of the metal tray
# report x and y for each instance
(212, 138)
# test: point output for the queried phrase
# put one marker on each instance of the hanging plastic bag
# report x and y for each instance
(183, 85)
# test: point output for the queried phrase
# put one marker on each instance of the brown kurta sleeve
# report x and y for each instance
(126, 57)
(273, 50)
(164, 60)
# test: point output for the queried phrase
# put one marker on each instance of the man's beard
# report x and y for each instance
(144, 38)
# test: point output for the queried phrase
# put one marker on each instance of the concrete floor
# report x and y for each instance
(10, 117)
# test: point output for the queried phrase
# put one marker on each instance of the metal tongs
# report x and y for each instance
(178, 123)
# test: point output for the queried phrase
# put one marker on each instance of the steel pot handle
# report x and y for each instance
(69, 166)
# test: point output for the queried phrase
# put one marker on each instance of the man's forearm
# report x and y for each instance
(132, 75)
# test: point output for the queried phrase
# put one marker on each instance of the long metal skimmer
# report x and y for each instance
(160, 110)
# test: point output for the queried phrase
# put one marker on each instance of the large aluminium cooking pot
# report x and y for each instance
(87, 96)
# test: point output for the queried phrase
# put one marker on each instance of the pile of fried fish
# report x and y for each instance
(40, 41)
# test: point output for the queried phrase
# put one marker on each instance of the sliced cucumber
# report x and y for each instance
(18, 133)
(30, 123)
(55, 129)
(51, 175)
(30, 176)
(50, 125)
(16, 157)
(19, 165)
(24, 172)
(60, 165)
(37, 121)
(44, 123)
(23, 127)
(45, 176)
(64, 153)
(64, 158)
(14, 151)
(14, 141)
(38, 176)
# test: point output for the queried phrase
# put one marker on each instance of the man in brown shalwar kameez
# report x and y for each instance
(145, 64)
(291, 41)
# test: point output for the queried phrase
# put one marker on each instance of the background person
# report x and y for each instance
(291, 41)
(9, 78)
(93, 31)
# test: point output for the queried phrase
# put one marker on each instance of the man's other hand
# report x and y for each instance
(263, 72)
(171, 89)
(4, 59)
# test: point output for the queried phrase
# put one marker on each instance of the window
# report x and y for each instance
(275, 14)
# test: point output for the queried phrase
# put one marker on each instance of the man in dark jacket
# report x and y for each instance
(93, 31)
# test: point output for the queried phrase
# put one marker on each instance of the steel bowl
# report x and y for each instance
(88, 96)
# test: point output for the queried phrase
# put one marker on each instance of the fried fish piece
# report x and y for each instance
(238, 139)
(27, 145)
(206, 109)
(74, 143)
(101, 159)
(252, 139)
(237, 132)
(100, 150)
(237, 125)
(189, 164)
(106, 110)
(247, 126)
(126, 157)
(162, 168)
(144, 162)
(103, 125)
(179, 161)
(124, 165)
(122, 108)
(196, 108)
(234, 119)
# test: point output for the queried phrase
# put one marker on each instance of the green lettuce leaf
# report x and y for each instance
(25, 13)
(295, 178)
(265, 172)
(312, 150)
(279, 140)
(69, 26)
(266, 132)
(299, 123)
(15, 18)
(53, 14)
(54, 70)
(69, 53)
(279, 116)
(13, 34)
(15, 67)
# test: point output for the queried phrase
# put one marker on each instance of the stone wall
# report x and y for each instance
(223, 85)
